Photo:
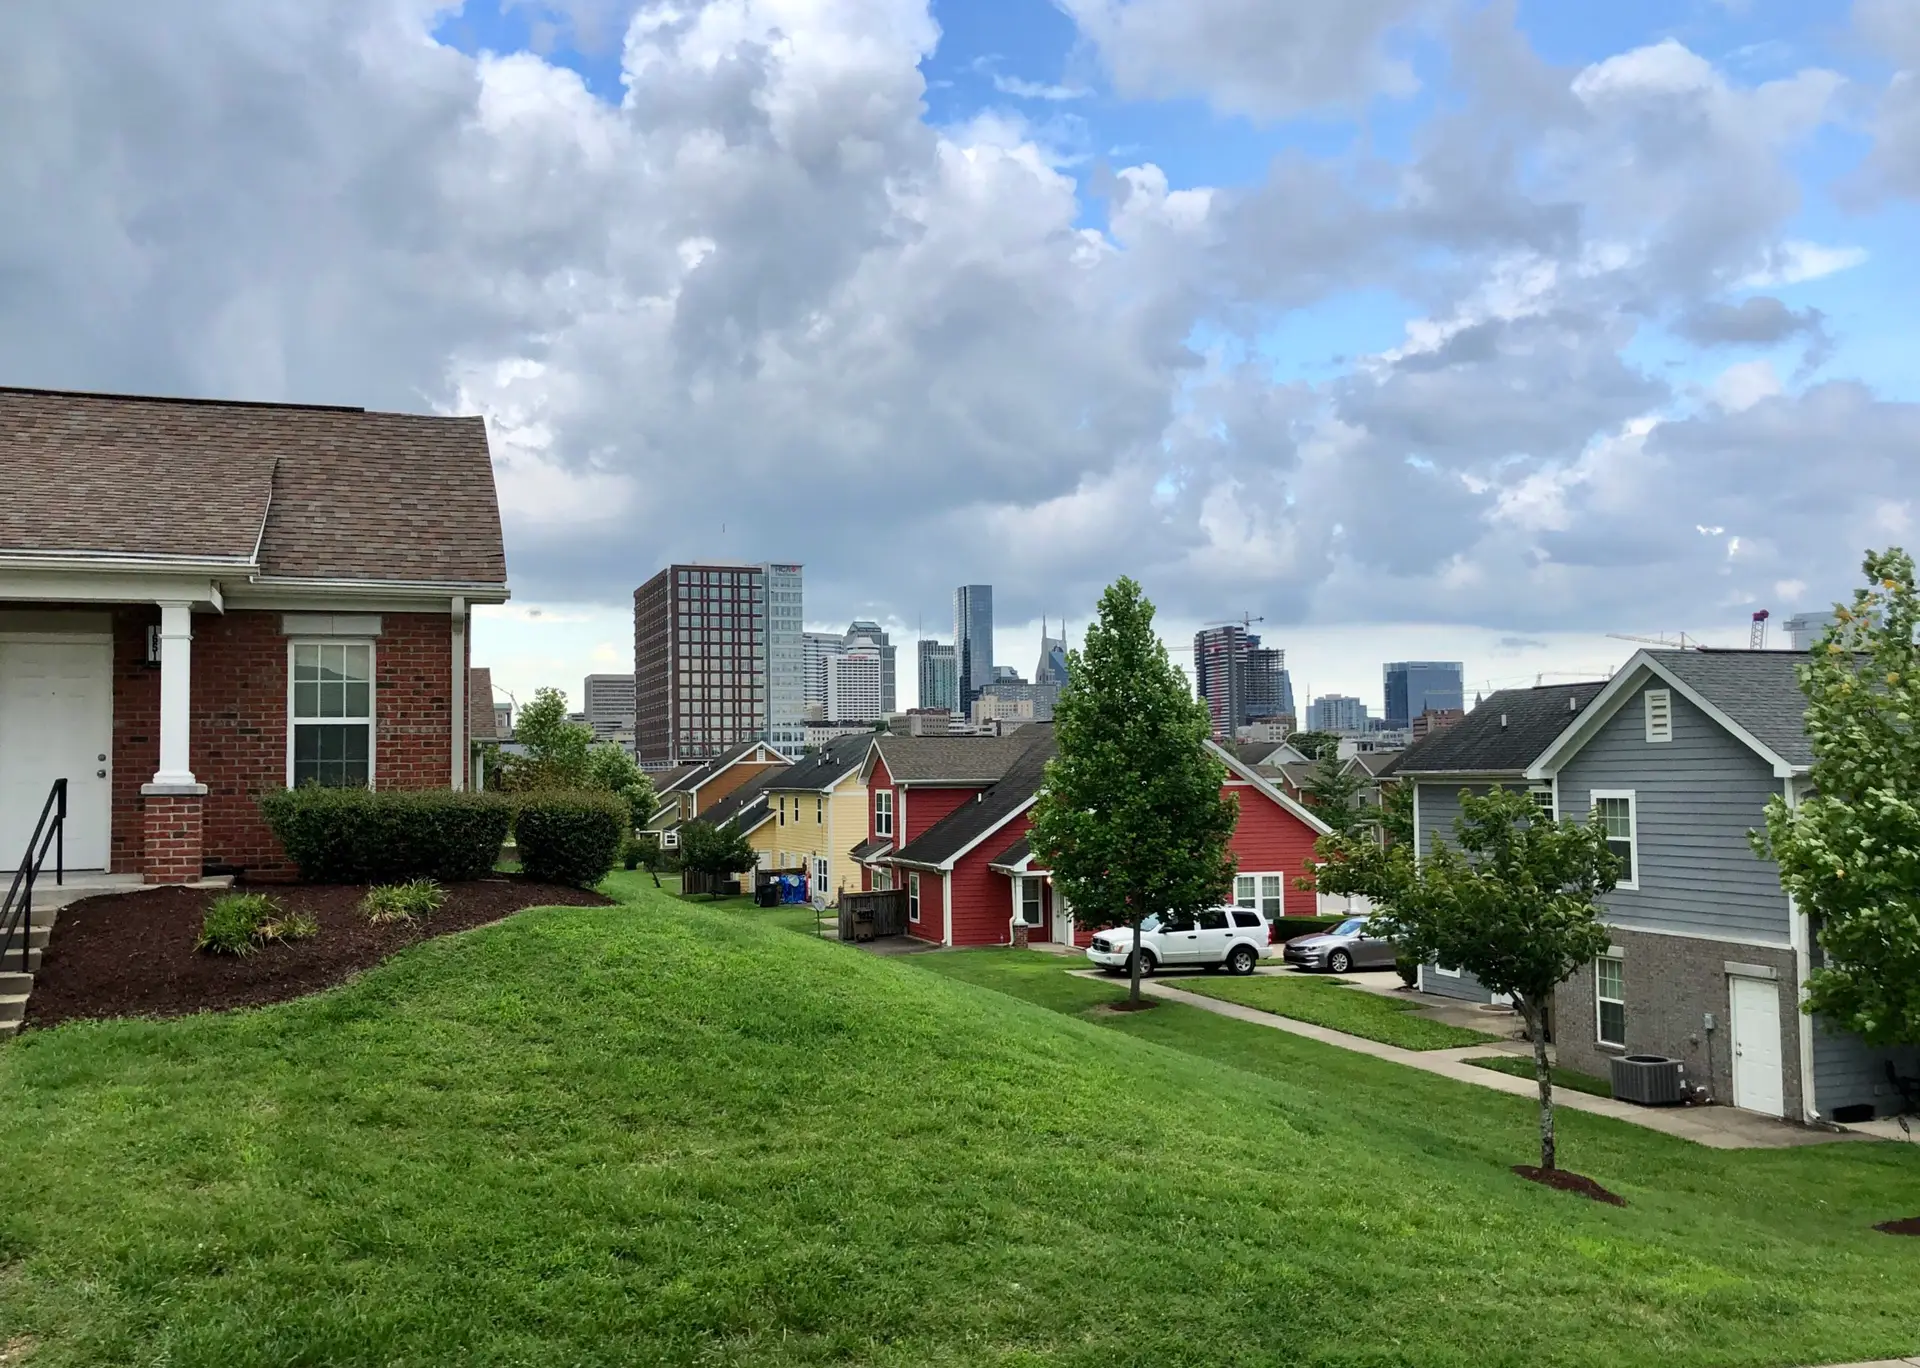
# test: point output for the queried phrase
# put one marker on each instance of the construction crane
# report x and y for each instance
(1685, 642)
(1757, 635)
(1245, 620)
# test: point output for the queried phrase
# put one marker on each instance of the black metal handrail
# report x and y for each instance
(16, 913)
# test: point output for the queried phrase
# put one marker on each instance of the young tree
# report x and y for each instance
(1396, 811)
(1314, 744)
(1334, 794)
(1516, 905)
(1849, 848)
(609, 767)
(1131, 820)
(720, 852)
(556, 750)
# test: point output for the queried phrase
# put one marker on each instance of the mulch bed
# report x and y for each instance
(1910, 1226)
(131, 954)
(1569, 1182)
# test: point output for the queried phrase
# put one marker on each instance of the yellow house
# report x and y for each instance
(816, 813)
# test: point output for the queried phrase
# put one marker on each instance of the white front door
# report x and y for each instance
(56, 721)
(1757, 1080)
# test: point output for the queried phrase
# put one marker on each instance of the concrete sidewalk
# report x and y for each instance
(1714, 1127)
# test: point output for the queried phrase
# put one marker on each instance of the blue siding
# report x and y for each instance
(1848, 1071)
(1439, 808)
(1695, 797)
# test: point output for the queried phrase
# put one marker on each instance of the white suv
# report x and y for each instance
(1230, 938)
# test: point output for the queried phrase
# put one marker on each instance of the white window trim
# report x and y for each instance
(883, 808)
(1444, 972)
(1633, 829)
(1654, 736)
(913, 897)
(373, 700)
(1039, 903)
(1621, 1001)
(1257, 875)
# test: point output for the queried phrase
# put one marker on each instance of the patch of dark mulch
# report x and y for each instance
(1145, 1004)
(1569, 1182)
(1910, 1226)
(131, 954)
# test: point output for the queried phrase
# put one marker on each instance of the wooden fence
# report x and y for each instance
(864, 916)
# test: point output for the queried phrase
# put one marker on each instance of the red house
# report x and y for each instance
(948, 821)
(201, 600)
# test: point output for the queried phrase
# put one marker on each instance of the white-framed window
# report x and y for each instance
(1542, 795)
(1659, 705)
(1616, 809)
(330, 713)
(670, 840)
(1610, 1001)
(1030, 901)
(819, 874)
(1264, 893)
(819, 810)
(783, 809)
(913, 897)
(1443, 971)
(883, 812)
(883, 880)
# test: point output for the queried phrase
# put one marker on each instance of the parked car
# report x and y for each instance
(1346, 946)
(1230, 938)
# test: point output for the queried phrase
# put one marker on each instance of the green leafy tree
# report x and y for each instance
(1396, 812)
(1314, 744)
(1131, 820)
(1849, 848)
(557, 751)
(1516, 905)
(719, 852)
(1334, 793)
(609, 767)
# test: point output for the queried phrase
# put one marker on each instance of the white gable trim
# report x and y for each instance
(1256, 780)
(1623, 686)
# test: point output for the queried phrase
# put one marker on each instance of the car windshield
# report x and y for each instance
(1151, 923)
(1352, 926)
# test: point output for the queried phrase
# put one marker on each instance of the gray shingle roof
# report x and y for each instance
(958, 759)
(970, 821)
(735, 804)
(323, 493)
(1014, 853)
(829, 765)
(1757, 689)
(1481, 744)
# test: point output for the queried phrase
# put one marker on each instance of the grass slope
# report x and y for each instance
(662, 1134)
(1325, 1002)
(1521, 1066)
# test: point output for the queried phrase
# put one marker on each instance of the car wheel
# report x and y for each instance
(1146, 966)
(1339, 961)
(1242, 959)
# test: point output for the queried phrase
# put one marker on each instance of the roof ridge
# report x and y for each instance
(190, 399)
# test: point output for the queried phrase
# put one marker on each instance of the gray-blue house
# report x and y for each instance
(1491, 747)
(1680, 753)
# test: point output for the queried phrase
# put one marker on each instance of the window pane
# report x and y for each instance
(1243, 890)
(1613, 1023)
(1213, 919)
(334, 756)
(1623, 852)
(306, 698)
(306, 662)
(1273, 895)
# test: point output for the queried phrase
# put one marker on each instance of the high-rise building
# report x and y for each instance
(1417, 686)
(863, 633)
(1052, 668)
(972, 642)
(938, 686)
(1337, 713)
(1804, 630)
(786, 662)
(816, 649)
(819, 651)
(854, 687)
(700, 662)
(1239, 678)
(608, 701)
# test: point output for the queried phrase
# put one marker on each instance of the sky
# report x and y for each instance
(1437, 329)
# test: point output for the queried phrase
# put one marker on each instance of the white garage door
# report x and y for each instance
(56, 721)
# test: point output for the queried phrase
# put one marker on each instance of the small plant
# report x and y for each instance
(408, 902)
(1408, 968)
(287, 927)
(233, 921)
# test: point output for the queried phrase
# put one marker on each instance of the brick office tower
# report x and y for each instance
(700, 662)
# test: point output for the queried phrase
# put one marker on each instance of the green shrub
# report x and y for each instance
(233, 921)
(570, 838)
(1408, 968)
(340, 835)
(409, 901)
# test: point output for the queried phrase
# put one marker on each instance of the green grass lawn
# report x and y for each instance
(1521, 1066)
(662, 1133)
(788, 917)
(1324, 1002)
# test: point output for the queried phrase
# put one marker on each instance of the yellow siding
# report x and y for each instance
(817, 826)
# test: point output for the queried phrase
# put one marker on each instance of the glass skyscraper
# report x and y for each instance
(972, 642)
(1415, 686)
(938, 683)
(786, 661)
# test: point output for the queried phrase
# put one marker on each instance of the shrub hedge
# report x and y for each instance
(571, 837)
(340, 835)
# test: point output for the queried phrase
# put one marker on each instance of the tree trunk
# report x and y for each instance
(1543, 1075)
(1133, 993)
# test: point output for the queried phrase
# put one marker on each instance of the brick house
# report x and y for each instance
(948, 822)
(204, 600)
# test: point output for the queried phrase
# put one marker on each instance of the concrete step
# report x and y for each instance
(36, 938)
(7, 1029)
(12, 981)
(13, 1006)
(78, 884)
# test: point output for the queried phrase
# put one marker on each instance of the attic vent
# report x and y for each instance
(1659, 714)
(1503, 721)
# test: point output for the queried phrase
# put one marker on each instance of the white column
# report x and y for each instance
(176, 688)
(459, 693)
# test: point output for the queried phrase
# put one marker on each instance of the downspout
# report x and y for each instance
(1800, 930)
(459, 692)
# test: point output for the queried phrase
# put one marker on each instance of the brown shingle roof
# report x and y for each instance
(480, 704)
(323, 493)
(958, 759)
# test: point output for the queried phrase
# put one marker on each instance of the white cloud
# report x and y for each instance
(1794, 263)
(1743, 385)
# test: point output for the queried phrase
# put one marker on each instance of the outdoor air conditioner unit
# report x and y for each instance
(1650, 1080)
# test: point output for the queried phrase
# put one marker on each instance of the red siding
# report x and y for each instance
(881, 779)
(932, 925)
(925, 806)
(982, 898)
(1268, 838)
